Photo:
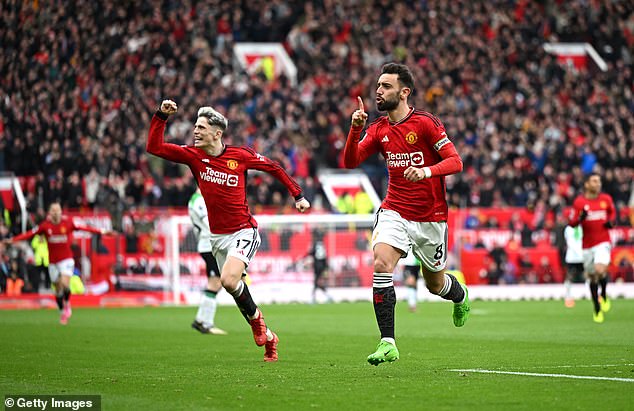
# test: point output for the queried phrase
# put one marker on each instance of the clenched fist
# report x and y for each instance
(302, 205)
(168, 107)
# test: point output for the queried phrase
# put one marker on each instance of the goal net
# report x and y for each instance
(282, 270)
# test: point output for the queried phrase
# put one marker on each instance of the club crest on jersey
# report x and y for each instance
(603, 204)
(232, 164)
(411, 137)
(63, 230)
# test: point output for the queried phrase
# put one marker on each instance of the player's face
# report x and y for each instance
(55, 212)
(204, 133)
(388, 92)
(593, 185)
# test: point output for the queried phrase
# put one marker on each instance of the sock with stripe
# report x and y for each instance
(384, 298)
(244, 301)
(452, 290)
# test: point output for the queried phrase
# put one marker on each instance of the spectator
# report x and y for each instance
(15, 283)
(528, 274)
(363, 203)
(345, 203)
(491, 82)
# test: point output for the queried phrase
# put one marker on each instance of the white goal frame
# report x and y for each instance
(265, 222)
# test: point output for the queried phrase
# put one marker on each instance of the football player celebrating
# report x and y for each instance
(418, 154)
(58, 230)
(595, 212)
(220, 171)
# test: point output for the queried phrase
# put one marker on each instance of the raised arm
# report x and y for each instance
(155, 142)
(355, 153)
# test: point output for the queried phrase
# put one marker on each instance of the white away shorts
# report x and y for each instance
(599, 254)
(242, 245)
(65, 267)
(427, 240)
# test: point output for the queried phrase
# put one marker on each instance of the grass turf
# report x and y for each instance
(150, 358)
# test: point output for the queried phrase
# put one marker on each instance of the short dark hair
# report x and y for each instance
(590, 175)
(405, 76)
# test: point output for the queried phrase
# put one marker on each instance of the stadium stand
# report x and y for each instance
(79, 81)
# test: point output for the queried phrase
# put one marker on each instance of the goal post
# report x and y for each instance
(13, 197)
(281, 270)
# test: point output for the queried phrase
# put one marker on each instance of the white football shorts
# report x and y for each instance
(599, 254)
(65, 267)
(427, 240)
(242, 245)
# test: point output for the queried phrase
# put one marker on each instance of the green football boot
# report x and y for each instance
(461, 311)
(605, 304)
(385, 352)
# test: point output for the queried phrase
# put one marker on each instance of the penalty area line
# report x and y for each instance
(534, 374)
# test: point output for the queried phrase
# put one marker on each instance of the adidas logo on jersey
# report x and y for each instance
(385, 139)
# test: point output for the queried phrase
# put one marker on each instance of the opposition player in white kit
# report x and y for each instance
(573, 260)
(205, 317)
(418, 154)
(411, 273)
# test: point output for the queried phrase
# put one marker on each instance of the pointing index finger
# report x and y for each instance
(360, 103)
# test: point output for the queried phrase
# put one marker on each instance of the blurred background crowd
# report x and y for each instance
(80, 80)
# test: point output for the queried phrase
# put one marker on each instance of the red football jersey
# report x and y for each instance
(221, 179)
(415, 141)
(59, 237)
(600, 210)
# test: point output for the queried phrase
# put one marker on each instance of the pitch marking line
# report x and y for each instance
(584, 366)
(533, 374)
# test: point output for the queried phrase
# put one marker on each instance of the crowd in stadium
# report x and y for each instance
(80, 81)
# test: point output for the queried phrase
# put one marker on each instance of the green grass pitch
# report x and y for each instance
(150, 358)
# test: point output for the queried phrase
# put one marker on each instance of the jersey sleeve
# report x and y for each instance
(156, 142)
(575, 211)
(358, 149)
(611, 209)
(87, 228)
(451, 162)
(27, 234)
(256, 161)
